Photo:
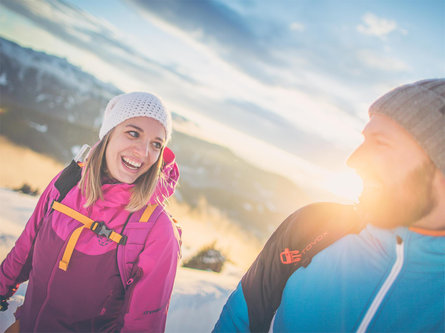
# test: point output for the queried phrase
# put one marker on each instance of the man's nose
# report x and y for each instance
(356, 159)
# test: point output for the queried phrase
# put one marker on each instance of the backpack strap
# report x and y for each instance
(97, 227)
(127, 255)
(69, 177)
(136, 231)
(148, 212)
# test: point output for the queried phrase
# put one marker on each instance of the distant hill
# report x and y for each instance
(54, 107)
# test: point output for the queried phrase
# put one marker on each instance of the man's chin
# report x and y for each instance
(383, 224)
(400, 204)
(378, 214)
(388, 216)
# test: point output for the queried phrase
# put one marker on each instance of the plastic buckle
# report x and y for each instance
(3, 304)
(123, 240)
(101, 229)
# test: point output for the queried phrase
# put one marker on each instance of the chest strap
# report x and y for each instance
(97, 227)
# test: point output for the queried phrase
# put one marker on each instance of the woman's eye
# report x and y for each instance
(134, 134)
(157, 145)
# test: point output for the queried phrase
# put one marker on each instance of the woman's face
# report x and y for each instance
(134, 146)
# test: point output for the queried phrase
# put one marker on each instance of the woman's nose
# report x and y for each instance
(142, 148)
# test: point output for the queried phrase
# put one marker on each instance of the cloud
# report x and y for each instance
(381, 62)
(250, 82)
(265, 51)
(297, 26)
(375, 26)
(91, 34)
(218, 27)
(281, 131)
(210, 21)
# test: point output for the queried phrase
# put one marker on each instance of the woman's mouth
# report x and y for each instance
(131, 164)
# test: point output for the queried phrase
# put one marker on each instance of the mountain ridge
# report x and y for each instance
(54, 107)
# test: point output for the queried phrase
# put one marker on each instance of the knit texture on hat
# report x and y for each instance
(135, 104)
(420, 108)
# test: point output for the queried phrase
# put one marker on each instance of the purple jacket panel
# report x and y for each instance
(17, 265)
(87, 297)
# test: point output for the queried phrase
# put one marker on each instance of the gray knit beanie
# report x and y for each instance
(135, 104)
(420, 108)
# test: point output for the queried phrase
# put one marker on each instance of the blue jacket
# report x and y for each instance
(378, 280)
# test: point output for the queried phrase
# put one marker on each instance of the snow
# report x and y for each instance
(247, 206)
(3, 80)
(38, 127)
(71, 118)
(270, 206)
(69, 103)
(197, 299)
(41, 97)
(75, 150)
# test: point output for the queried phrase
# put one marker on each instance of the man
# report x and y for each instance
(388, 277)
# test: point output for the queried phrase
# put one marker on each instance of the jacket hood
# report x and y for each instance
(168, 178)
(165, 187)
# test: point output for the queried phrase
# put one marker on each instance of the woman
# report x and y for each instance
(118, 274)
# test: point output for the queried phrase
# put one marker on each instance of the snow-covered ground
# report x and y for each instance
(197, 299)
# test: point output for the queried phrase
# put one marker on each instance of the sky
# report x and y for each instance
(284, 84)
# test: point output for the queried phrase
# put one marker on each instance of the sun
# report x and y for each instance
(346, 185)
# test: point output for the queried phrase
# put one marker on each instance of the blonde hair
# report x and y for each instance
(95, 169)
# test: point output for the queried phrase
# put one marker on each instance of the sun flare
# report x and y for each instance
(346, 185)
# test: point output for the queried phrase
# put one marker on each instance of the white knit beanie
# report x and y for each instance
(420, 108)
(135, 104)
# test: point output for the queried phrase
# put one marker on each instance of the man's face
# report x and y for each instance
(397, 175)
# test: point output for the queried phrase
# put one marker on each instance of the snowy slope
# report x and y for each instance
(197, 299)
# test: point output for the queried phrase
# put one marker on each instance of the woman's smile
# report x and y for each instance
(131, 164)
(134, 146)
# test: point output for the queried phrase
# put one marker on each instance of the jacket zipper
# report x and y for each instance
(120, 256)
(396, 268)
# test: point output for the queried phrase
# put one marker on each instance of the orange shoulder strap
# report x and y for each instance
(147, 213)
(95, 226)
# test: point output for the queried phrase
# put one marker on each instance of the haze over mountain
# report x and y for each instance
(54, 107)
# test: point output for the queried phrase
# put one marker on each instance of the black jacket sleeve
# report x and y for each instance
(301, 236)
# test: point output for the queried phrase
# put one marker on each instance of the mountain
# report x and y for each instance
(54, 107)
(51, 85)
(46, 102)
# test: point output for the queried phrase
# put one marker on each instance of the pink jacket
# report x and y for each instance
(101, 290)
